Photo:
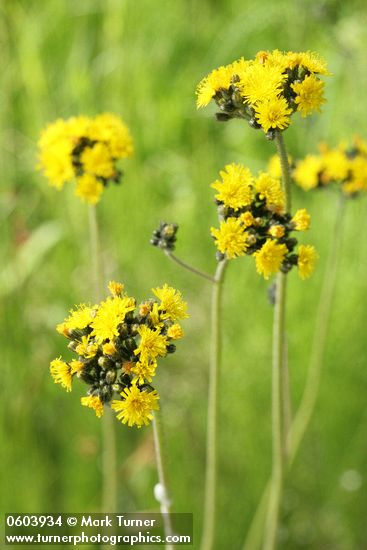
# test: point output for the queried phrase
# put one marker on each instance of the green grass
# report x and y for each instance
(143, 60)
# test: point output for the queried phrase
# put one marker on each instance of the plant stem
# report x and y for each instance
(278, 457)
(189, 267)
(308, 401)
(280, 378)
(161, 490)
(286, 172)
(210, 503)
(109, 469)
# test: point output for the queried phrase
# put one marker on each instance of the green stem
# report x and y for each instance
(210, 502)
(286, 171)
(189, 267)
(161, 490)
(280, 378)
(109, 489)
(308, 401)
(278, 457)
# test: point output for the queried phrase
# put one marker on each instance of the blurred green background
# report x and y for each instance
(142, 59)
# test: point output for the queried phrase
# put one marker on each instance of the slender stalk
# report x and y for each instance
(286, 172)
(109, 489)
(308, 401)
(189, 267)
(254, 534)
(210, 502)
(280, 378)
(278, 458)
(161, 490)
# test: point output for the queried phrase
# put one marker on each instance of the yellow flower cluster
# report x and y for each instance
(117, 344)
(345, 164)
(86, 150)
(253, 222)
(267, 90)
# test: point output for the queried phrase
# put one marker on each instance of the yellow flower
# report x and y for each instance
(235, 189)
(55, 154)
(301, 220)
(76, 367)
(247, 219)
(277, 231)
(175, 332)
(309, 60)
(61, 373)
(152, 344)
(136, 406)
(270, 189)
(261, 82)
(88, 188)
(307, 257)
(270, 257)
(336, 165)
(85, 348)
(230, 238)
(110, 129)
(97, 160)
(155, 316)
(309, 96)
(144, 371)
(109, 348)
(172, 305)
(273, 113)
(207, 88)
(110, 314)
(115, 288)
(93, 402)
(79, 318)
(306, 174)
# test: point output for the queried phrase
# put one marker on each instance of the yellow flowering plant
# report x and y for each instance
(85, 150)
(266, 91)
(253, 222)
(345, 164)
(117, 345)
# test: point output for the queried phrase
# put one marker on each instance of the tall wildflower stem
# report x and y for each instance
(280, 386)
(210, 503)
(308, 401)
(109, 466)
(162, 492)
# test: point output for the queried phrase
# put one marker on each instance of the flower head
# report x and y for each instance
(136, 406)
(301, 220)
(235, 189)
(270, 258)
(61, 373)
(273, 113)
(93, 402)
(171, 304)
(230, 238)
(85, 150)
(309, 96)
(117, 344)
(267, 90)
(307, 257)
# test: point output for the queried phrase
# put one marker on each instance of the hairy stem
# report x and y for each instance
(210, 503)
(280, 378)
